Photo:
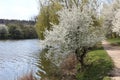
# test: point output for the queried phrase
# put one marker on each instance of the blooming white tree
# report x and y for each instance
(75, 33)
(116, 23)
(116, 20)
(108, 13)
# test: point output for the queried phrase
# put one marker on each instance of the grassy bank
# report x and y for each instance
(99, 65)
(114, 41)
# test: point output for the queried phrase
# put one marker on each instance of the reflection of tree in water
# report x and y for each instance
(47, 70)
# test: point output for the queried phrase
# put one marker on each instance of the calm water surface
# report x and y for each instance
(18, 57)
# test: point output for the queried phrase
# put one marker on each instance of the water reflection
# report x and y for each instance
(18, 57)
(23, 56)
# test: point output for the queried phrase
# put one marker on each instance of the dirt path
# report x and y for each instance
(114, 53)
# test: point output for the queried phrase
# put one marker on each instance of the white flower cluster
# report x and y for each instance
(116, 20)
(75, 30)
(116, 23)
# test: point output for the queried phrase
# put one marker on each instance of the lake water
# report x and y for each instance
(18, 57)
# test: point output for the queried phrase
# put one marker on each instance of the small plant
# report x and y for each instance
(106, 78)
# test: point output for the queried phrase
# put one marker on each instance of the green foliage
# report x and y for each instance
(99, 65)
(19, 31)
(47, 14)
(29, 32)
(15, 32)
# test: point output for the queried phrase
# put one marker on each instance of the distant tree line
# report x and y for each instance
(15, 29)
(24, 22)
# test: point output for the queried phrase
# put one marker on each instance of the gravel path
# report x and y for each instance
(114, 53)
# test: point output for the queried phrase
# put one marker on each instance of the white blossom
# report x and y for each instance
(108, 13)
(75, 30)
(116, 23)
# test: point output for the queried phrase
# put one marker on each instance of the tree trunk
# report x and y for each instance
(80, 54)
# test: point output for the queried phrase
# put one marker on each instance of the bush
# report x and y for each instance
(3, 32)
(29, 32)
(15, 32)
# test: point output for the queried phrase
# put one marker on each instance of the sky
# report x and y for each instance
(18, 9)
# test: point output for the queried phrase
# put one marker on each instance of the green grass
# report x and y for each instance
(99, 65)
(114, 41)
(106, 78)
